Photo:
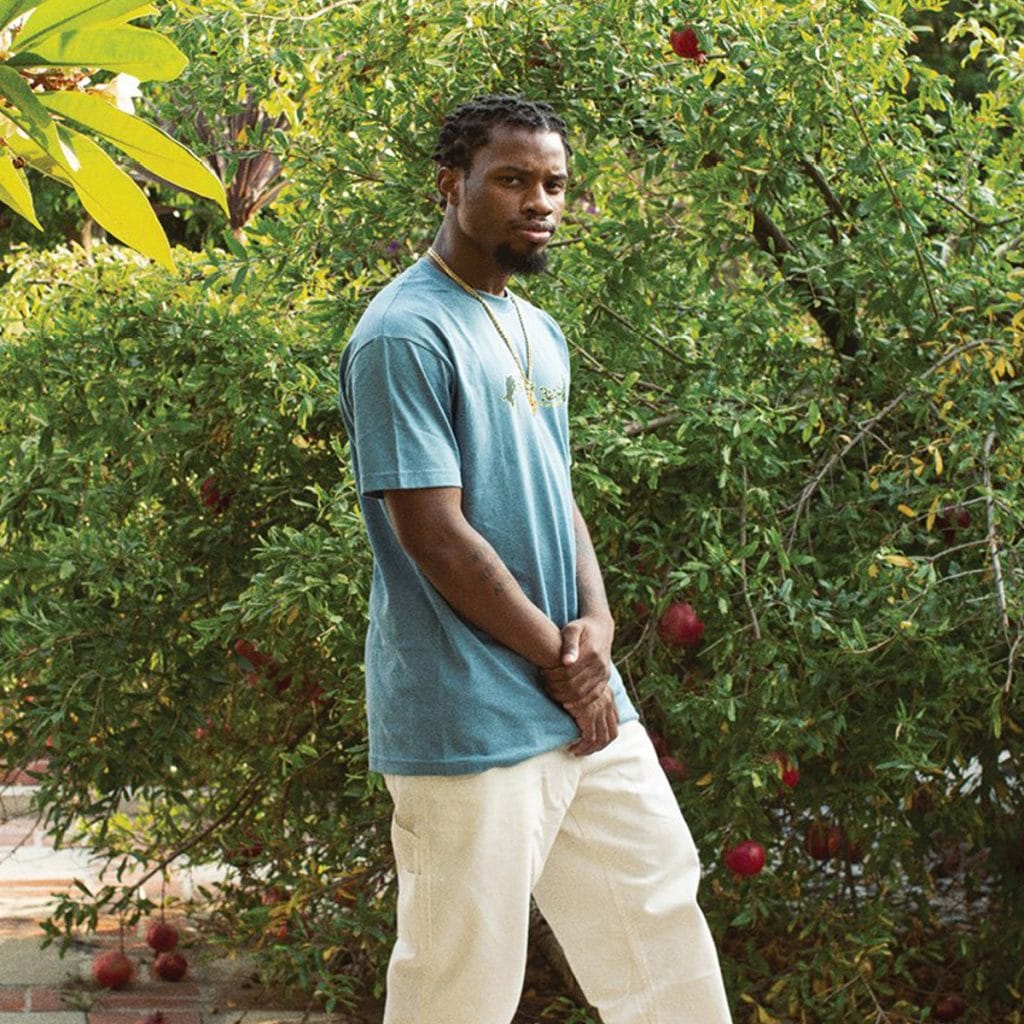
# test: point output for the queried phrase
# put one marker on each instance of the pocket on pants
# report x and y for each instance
(408, 849)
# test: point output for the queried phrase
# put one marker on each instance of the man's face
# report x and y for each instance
(508, 204)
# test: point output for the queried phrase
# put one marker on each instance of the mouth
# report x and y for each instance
(537, 232)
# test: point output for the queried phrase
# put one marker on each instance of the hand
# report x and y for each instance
(585, 665)
(598, 722)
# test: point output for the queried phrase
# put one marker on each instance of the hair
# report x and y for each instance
(468, 126)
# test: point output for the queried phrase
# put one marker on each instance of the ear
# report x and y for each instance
(449, 181)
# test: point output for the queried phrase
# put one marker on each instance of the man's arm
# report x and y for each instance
(580, 682)
(468, 573)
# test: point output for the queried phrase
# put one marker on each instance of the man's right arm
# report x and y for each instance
(468, 573)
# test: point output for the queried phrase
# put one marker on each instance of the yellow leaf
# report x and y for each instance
(937, 455)
(115, 201)
(933, 509)
(872, 570)
(901, 560)
(907, 511)
(704, 780)
(292, 615)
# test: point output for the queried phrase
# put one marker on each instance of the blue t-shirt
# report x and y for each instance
(431, 397)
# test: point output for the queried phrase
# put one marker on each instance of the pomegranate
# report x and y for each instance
(680, 626)
(685, 43)
(744, 859)
(788, 771)
(822, 842)
(161, 936)
(170, 966)
(949, 1007)
(112, 969)
(673, 767)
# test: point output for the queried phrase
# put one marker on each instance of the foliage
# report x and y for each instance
(791, 280)
(49, 53)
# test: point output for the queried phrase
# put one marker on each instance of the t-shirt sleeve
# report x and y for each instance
(400, 395)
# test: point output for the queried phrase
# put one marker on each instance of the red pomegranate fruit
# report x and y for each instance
(161, 936)
(112, 969)
(170, 966)
(745, 859)
(680, 626)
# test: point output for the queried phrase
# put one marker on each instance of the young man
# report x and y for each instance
(513, 755)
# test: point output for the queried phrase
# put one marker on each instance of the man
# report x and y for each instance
(513, 755)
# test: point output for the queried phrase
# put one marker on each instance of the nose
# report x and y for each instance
(538, 202)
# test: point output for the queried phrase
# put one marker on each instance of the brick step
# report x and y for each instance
(16, 800)
(23, 775)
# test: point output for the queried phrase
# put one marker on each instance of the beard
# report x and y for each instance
(532, 262)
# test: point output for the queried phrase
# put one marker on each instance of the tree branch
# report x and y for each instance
(837, 327)
(868, 426)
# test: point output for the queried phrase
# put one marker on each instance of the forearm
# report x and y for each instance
(468, 573)
(593, 600)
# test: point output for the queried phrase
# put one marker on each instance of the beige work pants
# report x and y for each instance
(601, 844)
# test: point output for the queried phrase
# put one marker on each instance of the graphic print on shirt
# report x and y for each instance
(550, 397)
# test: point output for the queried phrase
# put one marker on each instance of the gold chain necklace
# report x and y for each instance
(525, 374)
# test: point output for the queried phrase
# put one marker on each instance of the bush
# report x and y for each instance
(790, 282)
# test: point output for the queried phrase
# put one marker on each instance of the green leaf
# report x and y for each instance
(53, 16)
(149, 146)
(30, 115)
(10, 9)
(14, 191)
(141, 52)
(137, 12)
(116, 202)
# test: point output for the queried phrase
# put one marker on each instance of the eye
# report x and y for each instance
(510, 179)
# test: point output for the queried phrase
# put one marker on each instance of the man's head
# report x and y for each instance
(502, 176)
(469, 125)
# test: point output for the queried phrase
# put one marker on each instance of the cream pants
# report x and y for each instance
(601, 844)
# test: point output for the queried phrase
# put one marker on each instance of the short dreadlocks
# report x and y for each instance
(468, 126)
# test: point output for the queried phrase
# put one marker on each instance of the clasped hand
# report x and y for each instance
(580, 683)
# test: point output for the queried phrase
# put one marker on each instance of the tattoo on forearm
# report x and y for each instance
(489, 570)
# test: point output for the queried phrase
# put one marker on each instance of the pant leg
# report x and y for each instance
(469, 849)
(619, 890)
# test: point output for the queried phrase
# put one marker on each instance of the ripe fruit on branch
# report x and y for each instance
(822, 842)
(685, 43)
(112, 969)
(951, 519)
(161, 936)
(170, 966)
(680, 626)
(744, 859)
(658, 742)
(211, 496)
(672, 767)
(789, 774)
(949, 1007)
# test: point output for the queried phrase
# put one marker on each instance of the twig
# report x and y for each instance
(993, 542)
(976, 221)
(897, 202)
(743, 561)
(661, 346)
(637, 427)
(1011, 661)
(869, 425)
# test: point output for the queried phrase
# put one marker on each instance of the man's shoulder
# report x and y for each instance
(407, 306)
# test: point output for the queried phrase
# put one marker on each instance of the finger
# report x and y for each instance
(571, 642)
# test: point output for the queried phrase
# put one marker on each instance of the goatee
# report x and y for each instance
(532, 262)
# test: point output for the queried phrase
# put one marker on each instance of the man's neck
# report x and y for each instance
(471, 265)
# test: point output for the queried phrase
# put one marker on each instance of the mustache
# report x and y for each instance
(535, 225)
